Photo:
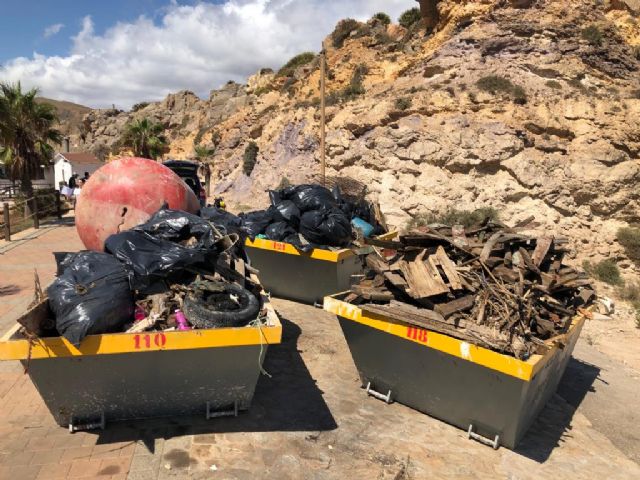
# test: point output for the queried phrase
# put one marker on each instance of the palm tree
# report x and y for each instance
(203, 153)
(145, 137)
(26, 134)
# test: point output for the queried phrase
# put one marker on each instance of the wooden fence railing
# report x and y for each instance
(26, 213)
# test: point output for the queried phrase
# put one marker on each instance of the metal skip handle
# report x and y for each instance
(87, 426)
(495, 443)
(378, 395)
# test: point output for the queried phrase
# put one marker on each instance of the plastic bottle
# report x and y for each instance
(181, 321)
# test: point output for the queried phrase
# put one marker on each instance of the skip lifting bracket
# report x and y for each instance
(222, 413)
(495, 443)
(76, 427)
(378, 395)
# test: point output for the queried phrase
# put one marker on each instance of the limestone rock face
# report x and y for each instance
(183, 114)
(506, 105)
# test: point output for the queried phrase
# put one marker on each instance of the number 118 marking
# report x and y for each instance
(418, 334)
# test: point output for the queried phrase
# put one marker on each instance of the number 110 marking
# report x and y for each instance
(144, 341)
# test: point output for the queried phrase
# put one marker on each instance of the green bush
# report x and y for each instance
(496, 84)
(262, 90)
(383, 38)
(593, 35)
(355, 87)
(333, 98)
(297, 61)
(284, 183)
(629, 238)
(466, 218)
(519, 95)
(403, 103)
(631, 293)
(383, 18)
(554, 84)
(606, 271)
(343, 30)
(250, 157)
(287, 86)
(410, 17)
(139, 106)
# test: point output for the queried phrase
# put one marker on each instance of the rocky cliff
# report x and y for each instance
(531, 107)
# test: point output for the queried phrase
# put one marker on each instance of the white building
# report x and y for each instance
(66, 164)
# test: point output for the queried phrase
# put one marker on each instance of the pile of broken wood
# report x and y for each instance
(489, 285)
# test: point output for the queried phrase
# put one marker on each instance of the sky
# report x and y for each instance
(103, 52)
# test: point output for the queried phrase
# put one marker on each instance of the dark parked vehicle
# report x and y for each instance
(188, 171)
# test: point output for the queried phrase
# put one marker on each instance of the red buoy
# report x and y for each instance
(125, 193)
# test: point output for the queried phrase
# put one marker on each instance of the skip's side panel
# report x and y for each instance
(449, 388)
(147, 384)
(302, 278)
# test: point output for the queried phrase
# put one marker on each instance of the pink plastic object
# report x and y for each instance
(139, 314)
(125, 193)
(181, 321)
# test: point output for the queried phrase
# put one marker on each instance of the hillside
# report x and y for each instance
(530, 107)
(70, 114)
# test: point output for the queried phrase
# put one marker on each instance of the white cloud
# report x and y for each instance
(192, 47)
(51, 30)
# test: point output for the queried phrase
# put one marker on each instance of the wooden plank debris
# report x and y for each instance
(423, 278)
(486, 284)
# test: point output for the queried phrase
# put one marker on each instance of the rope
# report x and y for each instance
(257, 323)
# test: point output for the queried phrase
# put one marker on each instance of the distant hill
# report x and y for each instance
(70, 114)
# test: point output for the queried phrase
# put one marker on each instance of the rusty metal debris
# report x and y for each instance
(489, 285)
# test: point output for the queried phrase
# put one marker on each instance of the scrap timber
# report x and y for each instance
(490, 285)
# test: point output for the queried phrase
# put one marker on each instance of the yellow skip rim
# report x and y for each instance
(106, 344)
(522, 369)
(316, 253)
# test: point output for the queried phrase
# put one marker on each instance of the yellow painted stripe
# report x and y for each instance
(143, 342)
(316, 253)
(524, 370)
(288, 249)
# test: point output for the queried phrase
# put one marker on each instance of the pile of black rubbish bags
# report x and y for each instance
(98, 293)
(306, 216)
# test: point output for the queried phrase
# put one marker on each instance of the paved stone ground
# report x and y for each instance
(310, 420)
(31, 250)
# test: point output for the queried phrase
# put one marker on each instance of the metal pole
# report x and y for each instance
(7, 225)
(323, 61)
(58, 205)
(36, 220)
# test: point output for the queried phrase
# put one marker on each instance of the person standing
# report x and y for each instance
(73, 182)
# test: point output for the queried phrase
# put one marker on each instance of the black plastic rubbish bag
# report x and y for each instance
(91, 296)
(326, 227)
(278, 231)
(225, 222)
(179, 226)
(299, 242)
(274, 197)
(286, 211)
(255, 223)
(153, 260)
(309, 197)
